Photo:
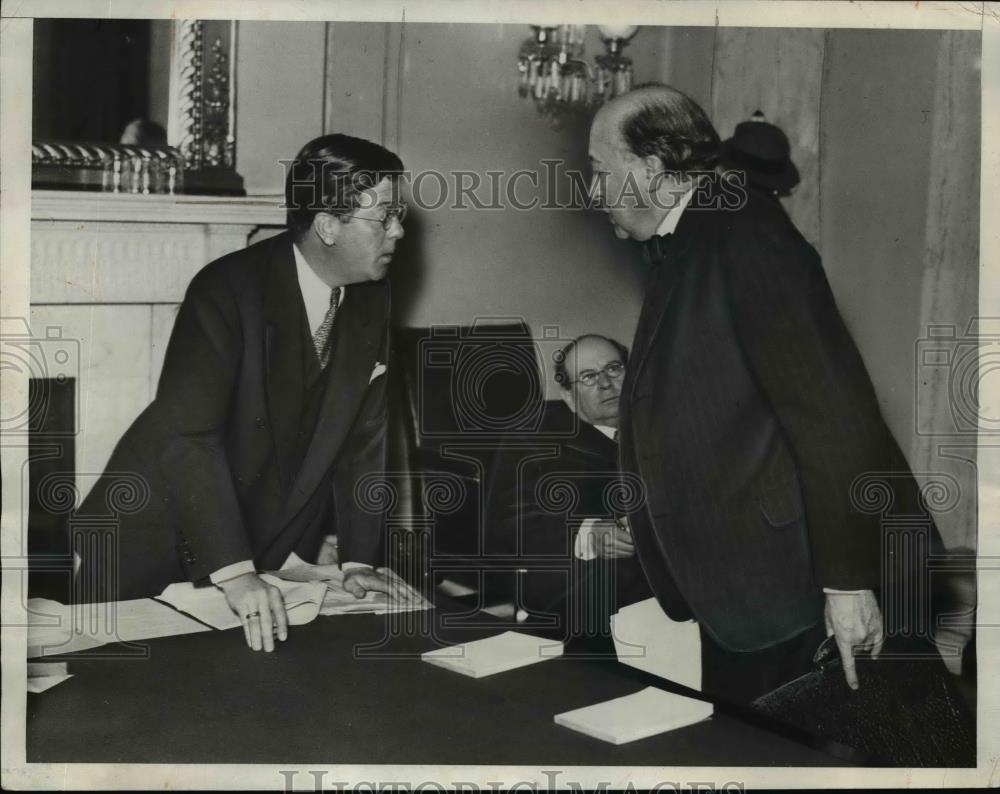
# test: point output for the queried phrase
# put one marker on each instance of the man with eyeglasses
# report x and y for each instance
(593, 568)
(271, 405)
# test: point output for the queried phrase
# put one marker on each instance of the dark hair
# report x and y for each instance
(560, 356)
(330, 173)
(670, 125)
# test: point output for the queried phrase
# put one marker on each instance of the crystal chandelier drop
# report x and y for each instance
(555, 75)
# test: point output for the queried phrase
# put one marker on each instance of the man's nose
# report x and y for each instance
(396, 230)
(596, 192)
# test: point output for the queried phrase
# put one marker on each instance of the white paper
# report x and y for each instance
(45, 675)
(647, 639)
(209, 605)
(41, 683)
(55, 628)
(495, 654)
(637, 716)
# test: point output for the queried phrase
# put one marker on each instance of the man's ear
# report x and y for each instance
(326, 227)
(653, 166)
(569, 397)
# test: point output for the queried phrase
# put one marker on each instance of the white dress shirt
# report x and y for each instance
(673, 216)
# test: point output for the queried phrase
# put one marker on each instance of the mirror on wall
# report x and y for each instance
(135, 106)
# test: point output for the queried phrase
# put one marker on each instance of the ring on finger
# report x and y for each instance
(252, 615)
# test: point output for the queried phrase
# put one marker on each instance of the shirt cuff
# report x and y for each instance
(232, 571)
(835, 591)
(584, 547)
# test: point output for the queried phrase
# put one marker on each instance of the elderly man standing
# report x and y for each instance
(746, 410)
(271, 405)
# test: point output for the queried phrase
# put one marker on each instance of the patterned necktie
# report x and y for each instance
(322, 336)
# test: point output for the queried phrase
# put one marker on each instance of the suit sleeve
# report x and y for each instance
(807, 365)
(192, 406)
(361, 534)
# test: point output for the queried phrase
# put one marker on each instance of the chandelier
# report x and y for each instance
(555, 75)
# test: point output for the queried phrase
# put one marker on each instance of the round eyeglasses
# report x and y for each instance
(395, 211)
(614, 370)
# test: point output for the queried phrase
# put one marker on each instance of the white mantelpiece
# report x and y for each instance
(107, 274)
(98, 248)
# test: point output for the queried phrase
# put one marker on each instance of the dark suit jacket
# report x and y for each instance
(543, 489)
(748, 413)
(219, 453)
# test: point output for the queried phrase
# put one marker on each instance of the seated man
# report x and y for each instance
(579, 561)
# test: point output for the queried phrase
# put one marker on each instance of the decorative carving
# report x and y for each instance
(201, 129)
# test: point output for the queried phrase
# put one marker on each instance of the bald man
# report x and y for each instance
(746, 409)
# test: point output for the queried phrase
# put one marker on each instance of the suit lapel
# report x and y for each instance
(358, 332)
(591, 441)
(283, 319)
(662, 284)
(666, 274)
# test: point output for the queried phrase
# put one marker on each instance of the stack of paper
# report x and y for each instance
(638, 716)
(55, 628)
(209, 605)
(494, 654)
(45, 675)
(649, 640)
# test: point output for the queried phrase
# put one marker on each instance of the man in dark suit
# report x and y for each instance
(270, 407)
(555, 501)
(746, 410)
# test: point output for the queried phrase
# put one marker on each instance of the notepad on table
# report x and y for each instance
(638, 716)
(495, 654)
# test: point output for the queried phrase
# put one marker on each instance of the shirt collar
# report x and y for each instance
(608, 431)
(669, 223)
(315, 291)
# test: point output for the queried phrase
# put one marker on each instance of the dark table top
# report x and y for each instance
(352, 690)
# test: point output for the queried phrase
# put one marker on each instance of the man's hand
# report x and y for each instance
(358, 581)
(856, 622)
(260, 607)
(610, 540)
(328, 554)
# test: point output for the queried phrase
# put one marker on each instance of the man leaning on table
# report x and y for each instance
(270, 407)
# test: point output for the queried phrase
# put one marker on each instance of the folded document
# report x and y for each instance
(55, 628)
(638, 716)
(209, 605)
(496, 654)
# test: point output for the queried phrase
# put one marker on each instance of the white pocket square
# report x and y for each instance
(379, 370)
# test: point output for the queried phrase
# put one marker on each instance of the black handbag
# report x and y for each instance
(908, 710)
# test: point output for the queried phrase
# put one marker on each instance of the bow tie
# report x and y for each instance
(657, 249)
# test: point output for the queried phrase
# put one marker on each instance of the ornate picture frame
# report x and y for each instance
(200, 157)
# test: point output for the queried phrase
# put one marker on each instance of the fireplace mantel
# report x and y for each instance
(60, 205)
(105, 248)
